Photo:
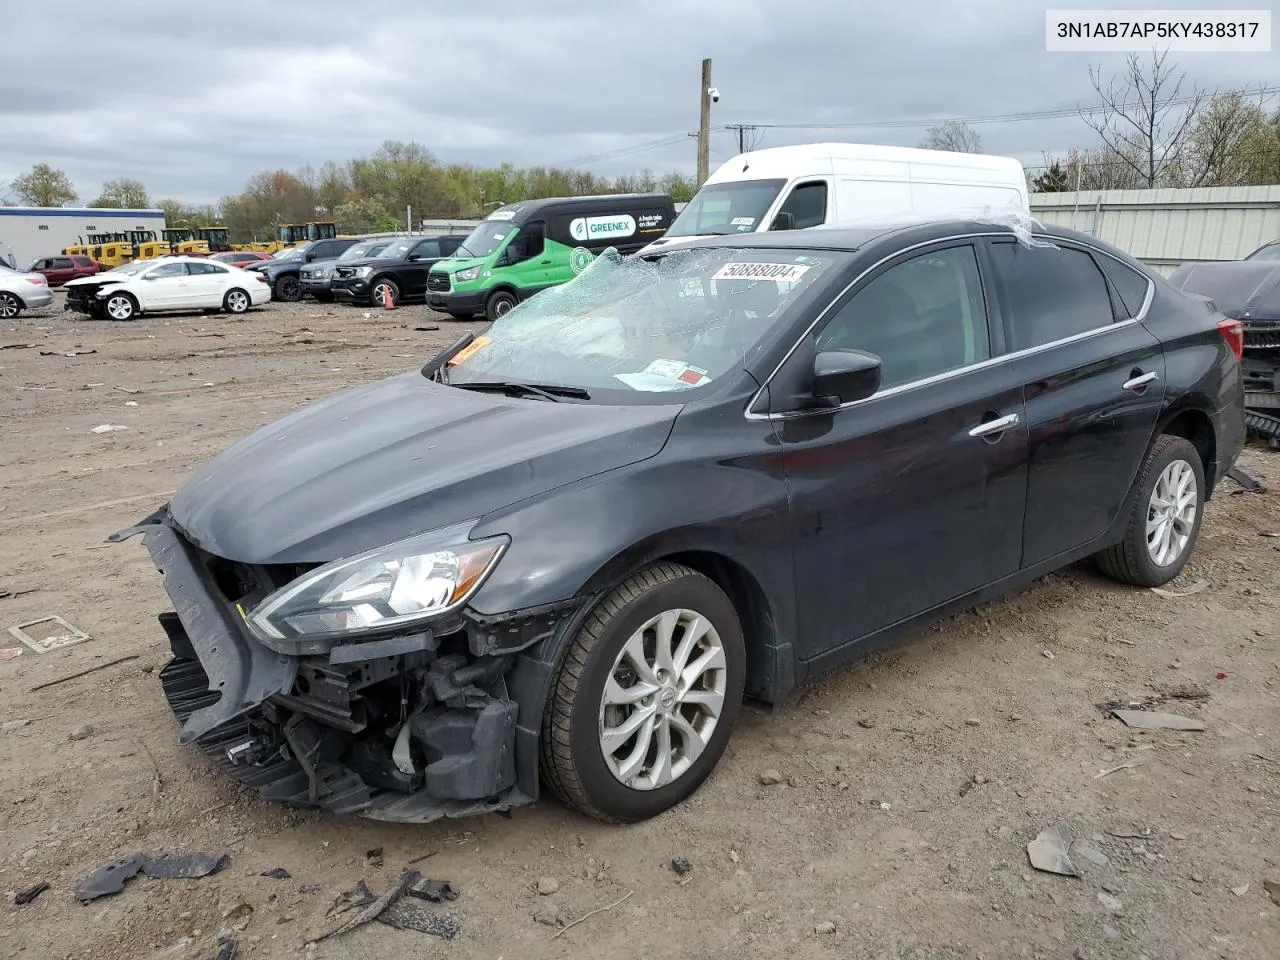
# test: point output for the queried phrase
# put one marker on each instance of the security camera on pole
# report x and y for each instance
(708, 94)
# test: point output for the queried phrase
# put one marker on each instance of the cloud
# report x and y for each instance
(193, 100)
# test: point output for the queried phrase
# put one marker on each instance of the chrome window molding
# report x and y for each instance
(751, 414)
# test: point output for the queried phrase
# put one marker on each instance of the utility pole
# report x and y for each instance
(742, 129)
(704, 124)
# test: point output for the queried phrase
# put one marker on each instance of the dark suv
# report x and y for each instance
(318, 274)
(283, 270)
(399, 270)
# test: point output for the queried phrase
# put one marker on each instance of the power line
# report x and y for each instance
(621, 151)
(994, 118)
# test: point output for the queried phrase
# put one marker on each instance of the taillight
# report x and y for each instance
(1233, 332)
(39, 279)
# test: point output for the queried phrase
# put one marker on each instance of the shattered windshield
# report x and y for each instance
(655, 325)
(723, 208)
(132, 267)
(484, 239)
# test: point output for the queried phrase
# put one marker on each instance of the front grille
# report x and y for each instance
(1262, 336)
(438, 282)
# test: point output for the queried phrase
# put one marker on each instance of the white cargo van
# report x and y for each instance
(816, 184)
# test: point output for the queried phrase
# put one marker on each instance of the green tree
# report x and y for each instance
(45, 187)
(1053, 179)
(123, 194)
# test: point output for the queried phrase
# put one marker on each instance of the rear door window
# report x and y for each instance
(1130, 285)
(62, 263)
(1052, 293)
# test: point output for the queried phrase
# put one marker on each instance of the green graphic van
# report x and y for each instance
(525, 247)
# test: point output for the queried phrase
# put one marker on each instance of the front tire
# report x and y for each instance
(646, 696)
(236, 301)
(380, 288)
(1165, 509)
(121, 307)
(287, 289)
(10, 305)
(499, 304)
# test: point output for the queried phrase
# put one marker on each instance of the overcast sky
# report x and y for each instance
(194, 98)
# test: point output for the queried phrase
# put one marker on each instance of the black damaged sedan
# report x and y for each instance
(562, 554)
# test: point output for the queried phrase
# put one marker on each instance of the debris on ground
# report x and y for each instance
(189, 866)
(824, 927)
(374, 857)
(276, 873)
(547, 886)
(26, 896)
(1273, 890)
(11, 725)
(111, 878)
(682, 866)
(80, 673)
(770, 777)
(976, 780)
(1247, 479)
(1194, 587)
(394, 911)
(1150, 720)
(1130, 832)
(108, 428)
(547, 913)
(1048, 851)
(437, 891)
(236, 911)
(226, 949)
(82, 732)
(56, 637)
(1085, 852)
(587, 916)
(9, 594)
(1111, 903)
(1127, 765)
(1241, 890)
(427, 329)
(10, 653)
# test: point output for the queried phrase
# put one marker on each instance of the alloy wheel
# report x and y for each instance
(1171, 513)
(663, 699)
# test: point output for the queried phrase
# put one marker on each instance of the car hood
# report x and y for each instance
(97, 280)
(1241, 289)
(453, 264)
(376, 262)
(395, 458)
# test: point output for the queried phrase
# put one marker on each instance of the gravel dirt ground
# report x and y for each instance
(910, 786)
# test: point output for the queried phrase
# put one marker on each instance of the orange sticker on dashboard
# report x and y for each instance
(468, 350)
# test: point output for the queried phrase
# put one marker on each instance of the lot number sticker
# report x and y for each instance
(785, 272)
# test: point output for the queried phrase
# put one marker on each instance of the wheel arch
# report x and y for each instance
(1194, 425)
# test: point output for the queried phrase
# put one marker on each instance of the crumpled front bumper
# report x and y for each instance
(294, 729)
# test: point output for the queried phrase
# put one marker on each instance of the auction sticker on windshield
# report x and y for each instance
(662, 375)
(787, 272)
(468, 350)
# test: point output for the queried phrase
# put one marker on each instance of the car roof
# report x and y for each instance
(853, 239)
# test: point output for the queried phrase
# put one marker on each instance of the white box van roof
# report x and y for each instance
(815, 159)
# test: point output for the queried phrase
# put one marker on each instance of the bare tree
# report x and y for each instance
(1145, 116)
(1222, 146)
(953, 135)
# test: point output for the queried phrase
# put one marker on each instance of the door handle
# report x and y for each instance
(1140, 383)
(992, 427)
(545, 262)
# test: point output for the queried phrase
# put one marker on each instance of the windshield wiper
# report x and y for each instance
(547, 391)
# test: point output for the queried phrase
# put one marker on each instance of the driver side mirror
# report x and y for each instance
(510, 255)
(785, 220)
(843, 376)
(309, 256)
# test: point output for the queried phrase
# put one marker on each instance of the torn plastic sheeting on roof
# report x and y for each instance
(1017, 219)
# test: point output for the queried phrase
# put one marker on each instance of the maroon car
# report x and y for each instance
(240, 258)
(58, 270)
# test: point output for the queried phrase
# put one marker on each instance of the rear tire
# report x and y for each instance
(10, 305)
(499, 304)
(624, 740)
(287, 289)
(236, 301)
(1165, 509)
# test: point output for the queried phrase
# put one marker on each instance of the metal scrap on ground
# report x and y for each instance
(1194, 587)
(1048, 851)
(1150, 720)
(60, 636)
(112, 877)
(392, 909)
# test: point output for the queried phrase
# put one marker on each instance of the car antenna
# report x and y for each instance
(436, 363)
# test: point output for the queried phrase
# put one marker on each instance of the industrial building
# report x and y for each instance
(33, 232)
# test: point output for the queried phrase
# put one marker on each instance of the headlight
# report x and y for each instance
(363, 271)
(401, 583)
(468, 274)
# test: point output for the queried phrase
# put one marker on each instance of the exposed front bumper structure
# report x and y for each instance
(410, 727)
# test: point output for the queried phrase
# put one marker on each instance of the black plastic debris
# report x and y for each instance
(407, 915)
(682, 866)
(1247, 480)
(26, 896)
(374, 857)
(277, 873)
(437, 891)
(189, 866)
(111, 878)
(226, 949)
(309, 888)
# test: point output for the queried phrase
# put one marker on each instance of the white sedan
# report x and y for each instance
(22, 291)
(168, 283)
